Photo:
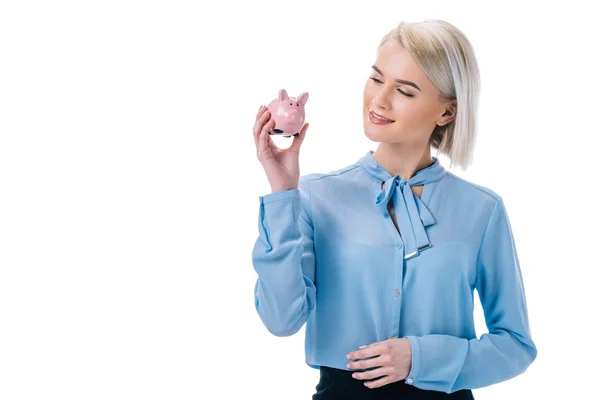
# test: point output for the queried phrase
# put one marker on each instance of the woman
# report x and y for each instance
(380, 258)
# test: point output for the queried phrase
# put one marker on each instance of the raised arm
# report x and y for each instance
(284, 258)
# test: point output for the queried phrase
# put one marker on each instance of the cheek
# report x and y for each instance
(413, 112)
(368, 95)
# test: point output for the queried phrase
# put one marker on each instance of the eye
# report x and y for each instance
(399, 90)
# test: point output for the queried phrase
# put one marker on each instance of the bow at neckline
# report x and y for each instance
(412, 214)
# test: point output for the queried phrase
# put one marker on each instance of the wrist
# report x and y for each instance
(275, 189)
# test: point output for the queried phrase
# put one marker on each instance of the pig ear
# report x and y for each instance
(282, 95)
(303, 98)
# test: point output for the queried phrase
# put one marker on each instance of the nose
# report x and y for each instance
(293, 116)
(380, 100)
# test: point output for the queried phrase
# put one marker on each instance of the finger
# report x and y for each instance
(375, 362)
(264, 135)
(381, 381)
(372, 374)
(300, 138)
(272, 144)
(259, 124)
(371, 350)
(260, 112)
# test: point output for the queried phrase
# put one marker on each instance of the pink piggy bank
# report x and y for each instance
(288, 113)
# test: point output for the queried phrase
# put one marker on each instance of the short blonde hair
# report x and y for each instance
(447, 57)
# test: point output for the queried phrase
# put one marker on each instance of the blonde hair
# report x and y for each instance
(446, 56)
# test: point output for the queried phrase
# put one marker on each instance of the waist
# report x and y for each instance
(339, 384)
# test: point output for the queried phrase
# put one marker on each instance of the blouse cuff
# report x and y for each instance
(280, 195)
(416, 360)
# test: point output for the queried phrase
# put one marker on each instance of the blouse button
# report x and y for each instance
(397, 293)
(399, 245)
(409, 381)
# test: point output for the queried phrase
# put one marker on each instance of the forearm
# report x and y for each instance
(449, 363)
(284, 294)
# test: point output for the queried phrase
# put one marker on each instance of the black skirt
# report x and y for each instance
(339, 384)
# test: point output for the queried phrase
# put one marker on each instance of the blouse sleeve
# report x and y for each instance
(284, 259)
(448, 363)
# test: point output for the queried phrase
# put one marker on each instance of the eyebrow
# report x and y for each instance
(409, 83)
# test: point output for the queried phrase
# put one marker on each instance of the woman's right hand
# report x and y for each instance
(281, 165)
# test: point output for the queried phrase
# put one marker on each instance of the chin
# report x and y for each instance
(378, 133)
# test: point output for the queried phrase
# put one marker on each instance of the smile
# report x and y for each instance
(376, 118)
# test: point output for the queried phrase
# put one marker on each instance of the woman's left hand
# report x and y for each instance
(392, 356)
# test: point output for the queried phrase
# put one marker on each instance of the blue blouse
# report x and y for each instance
(329, 255)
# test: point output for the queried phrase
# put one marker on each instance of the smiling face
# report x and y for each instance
(400, 91)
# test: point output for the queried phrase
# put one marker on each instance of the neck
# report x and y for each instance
(402, 159)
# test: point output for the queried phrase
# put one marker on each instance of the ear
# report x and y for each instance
(282, 95)
(449, 114)
(303, 98)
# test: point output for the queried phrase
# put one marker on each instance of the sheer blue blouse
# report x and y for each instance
(329, 255)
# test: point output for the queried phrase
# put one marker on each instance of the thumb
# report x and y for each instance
(300, 138)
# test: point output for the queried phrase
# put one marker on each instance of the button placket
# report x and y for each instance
(397, 272)
(397, 291)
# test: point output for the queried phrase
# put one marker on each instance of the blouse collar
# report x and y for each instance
(411, 212)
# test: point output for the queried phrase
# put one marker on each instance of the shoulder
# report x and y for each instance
(315, 180)
(472, 189)
(316, 186)
(479, 199)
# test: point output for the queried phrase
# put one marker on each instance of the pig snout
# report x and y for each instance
(293, 116)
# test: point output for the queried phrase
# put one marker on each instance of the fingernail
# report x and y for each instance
(348, 356)
(348, 365)
(362, 347)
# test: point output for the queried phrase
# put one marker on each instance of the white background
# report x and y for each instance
(129, 183)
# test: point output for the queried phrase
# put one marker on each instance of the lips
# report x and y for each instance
(379, 118)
